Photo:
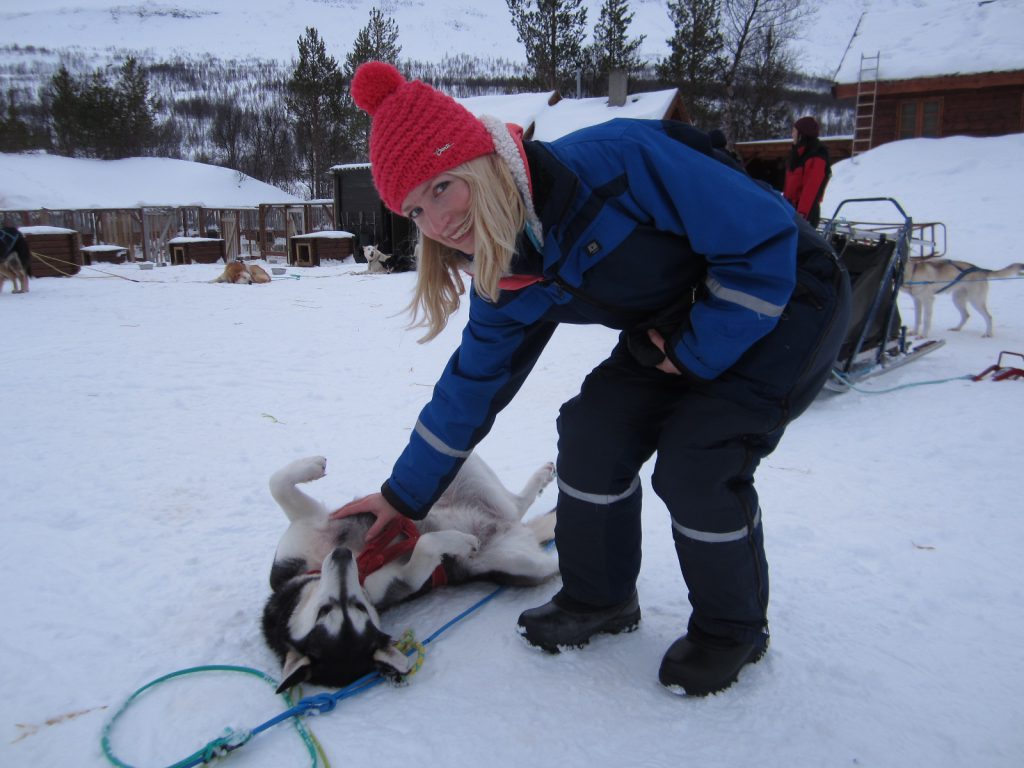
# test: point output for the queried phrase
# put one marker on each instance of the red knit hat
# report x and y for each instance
(807, 126)
(417, 131)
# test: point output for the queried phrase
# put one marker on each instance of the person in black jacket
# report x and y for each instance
(731, 311)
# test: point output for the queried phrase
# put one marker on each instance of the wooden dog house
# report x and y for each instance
(109, 254)
(56, 252)
(196, 250)
(310, 249)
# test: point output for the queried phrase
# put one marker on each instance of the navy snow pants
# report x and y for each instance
(709, 438)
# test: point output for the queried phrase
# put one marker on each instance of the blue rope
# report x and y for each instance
(317, 704)
(956, 280)
(230, 739)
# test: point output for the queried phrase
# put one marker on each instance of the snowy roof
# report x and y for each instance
(569, 115)
(38, 180)
(520, 108)
(935, 39)
(327, 234)
(350, 166)
(45, 229)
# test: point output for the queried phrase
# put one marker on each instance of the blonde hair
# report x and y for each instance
(498, 214)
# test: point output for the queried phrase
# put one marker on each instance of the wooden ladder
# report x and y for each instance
(867, 93)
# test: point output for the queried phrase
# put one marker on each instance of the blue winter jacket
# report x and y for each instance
(637, 216)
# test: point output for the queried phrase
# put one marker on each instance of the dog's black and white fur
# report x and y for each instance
(325, 627)
(16, 260)
(379, 262)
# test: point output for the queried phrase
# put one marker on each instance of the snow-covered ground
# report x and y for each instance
(145, 411)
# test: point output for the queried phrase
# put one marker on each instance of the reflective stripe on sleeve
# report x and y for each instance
(744, 300)
(438, 444)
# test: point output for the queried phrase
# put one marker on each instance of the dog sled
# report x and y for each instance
(876, 255)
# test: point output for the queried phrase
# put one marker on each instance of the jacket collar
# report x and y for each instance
(554, 185)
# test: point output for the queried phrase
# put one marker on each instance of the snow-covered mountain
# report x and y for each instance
(429, 30)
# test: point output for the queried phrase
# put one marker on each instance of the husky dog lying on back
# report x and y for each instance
(328, 583)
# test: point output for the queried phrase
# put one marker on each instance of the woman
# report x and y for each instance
(730, 320)
(807, 170)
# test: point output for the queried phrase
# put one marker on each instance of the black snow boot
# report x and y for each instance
(698, 663)
(567, 623)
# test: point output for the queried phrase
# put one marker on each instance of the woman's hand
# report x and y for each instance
(659, 341)
(376, 504)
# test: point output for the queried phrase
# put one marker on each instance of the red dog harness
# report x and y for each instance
(383, 549)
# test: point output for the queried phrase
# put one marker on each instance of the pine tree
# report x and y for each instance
(92, 118)
(98, 111)
(134, 111)
(15, 135)
(62, 95)
(695, 61)
(377, 41)
(313, 98)
(552, 35)
(612, 49)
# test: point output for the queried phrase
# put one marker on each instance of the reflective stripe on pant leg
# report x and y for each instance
(598, 543)
(605, 434)
(704, 473)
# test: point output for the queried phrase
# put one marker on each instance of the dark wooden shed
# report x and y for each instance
(358, 209)
(310, 249)
(196, 250)
(56, 252)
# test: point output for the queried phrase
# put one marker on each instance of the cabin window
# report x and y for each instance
(920, 118)
(930, 118)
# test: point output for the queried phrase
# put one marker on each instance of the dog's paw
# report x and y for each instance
(546, 473)
(457, 543)
(308, 469)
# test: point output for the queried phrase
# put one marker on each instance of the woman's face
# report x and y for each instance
(440, 208)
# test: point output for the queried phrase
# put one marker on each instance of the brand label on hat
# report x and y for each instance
(441, 150)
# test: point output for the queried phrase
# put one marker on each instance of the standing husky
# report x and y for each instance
(966, 284)
(328, 582)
